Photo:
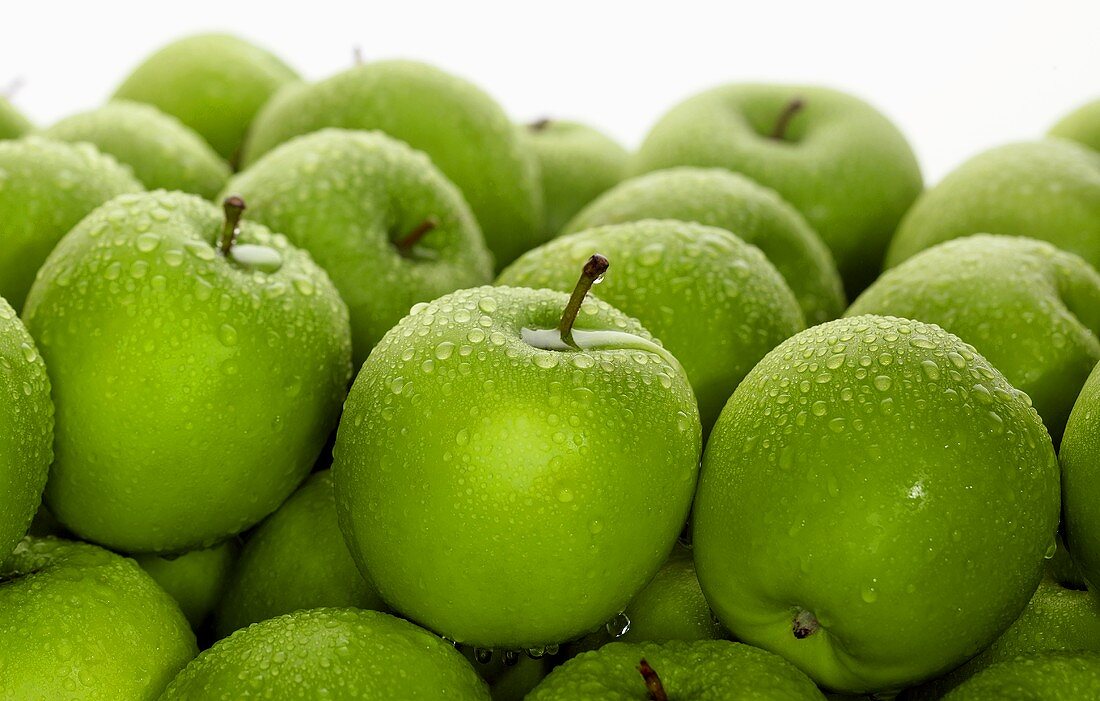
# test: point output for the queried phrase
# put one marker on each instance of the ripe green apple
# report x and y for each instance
(713, 300)
(513, 678)
(464, 131)
(1080, 457)
(509, 481)
(388, 227)
(1048, 190)
(1081, 125)
(338, 654)
(1044, 676)
(676, 670)
(12, 122)
(213, 83)
(717, 197)
(672, 606)
(576, 162)
(195, 579)
(296, 559)
(1031, 309)
(160, 150)
(79, 622)
(198, 365)
(26, 429)
(875, 504)
(46, 187)
(838, 160)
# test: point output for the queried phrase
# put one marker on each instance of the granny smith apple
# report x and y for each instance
(713, 300)
(576, 162)
(464, 131)
(296, 559)
(46, 187)
(338, 654)
(676, 671)
(1048, 190)
(843, 164)
(388, 227)
(79, 622)
(510, 474)
(1080, 457)
(510, 674)
(672, 606)
(26, 429)
(717, 197)
(1046, 676)
(12, 122)
(213, 83)
(875, 504)
(195, 579)
(198, 365)
(1081, 125)
(160, 150)
(1032, 310)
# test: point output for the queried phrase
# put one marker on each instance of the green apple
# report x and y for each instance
(12, 122)
(838, 160)
(466, 134)
(717, 197)
(1045, 676)
(198, 365)
(509, 481)
(46, 187)
(1080, 457)
(1031, 309)
(338, 654)
(79, 622)
(875, 504)
(1081, 125)
(160, 150)
(296, 559)
(1048, 190)
(195, 579)
(702, 670)
(672, 606)
(213, 83)
(26, 429)
(576, 162)
(713, 300)
(510, 674)
(388, 227)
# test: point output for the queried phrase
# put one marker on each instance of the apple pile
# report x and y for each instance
(369, 393)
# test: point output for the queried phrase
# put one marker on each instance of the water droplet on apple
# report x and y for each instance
(227, 335)
(483, 655)
(618, 626)
(444, 350)
(487, 305)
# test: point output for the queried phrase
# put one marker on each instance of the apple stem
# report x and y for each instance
(540, 124)
(793, 107)
(652, 682)
(234, 208)
(405, 243)
(804, 624)
(593, 270)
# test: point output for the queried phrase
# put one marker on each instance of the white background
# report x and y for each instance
(958, 77)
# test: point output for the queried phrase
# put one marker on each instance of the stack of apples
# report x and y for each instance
(367, 392)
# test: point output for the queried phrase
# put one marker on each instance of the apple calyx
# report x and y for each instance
(539, 124)
(779, 132)
(652, 682)
(591, 273)
(406, 243)
(234, 207)
(804, 624)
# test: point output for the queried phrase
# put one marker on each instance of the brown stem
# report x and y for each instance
(234, 208)
(804, 624)
(793, 107)
(593, 270)
(540, 124)
(652, 682)
(405, 243)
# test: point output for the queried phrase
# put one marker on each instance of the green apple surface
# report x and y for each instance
(1032, 310)
(160, 150)
(466, 134)
(213, 83)
(198, 365)
(46, 188)
(1080, 457)
(838, 160)
(875, 504)
(195, 579)
(337, 654)
(26, 429)
(296, 559)
(12, 122)
(717, 197)
(1047, 190)
(576, 164)
(672, 606)
(713, 300)
(388, 227)
(1047, 676)
(706, 670)
(79, 622)
(507, 484)
(511, 679)
(1081, 125)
